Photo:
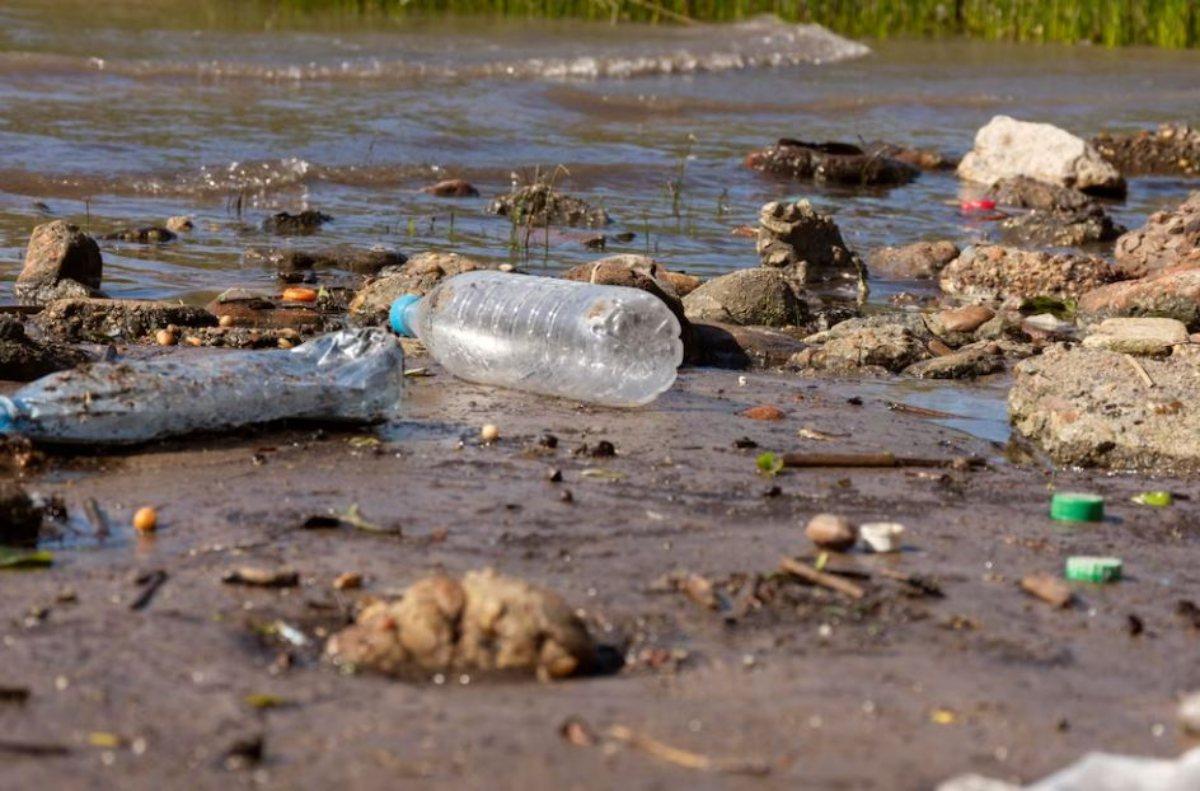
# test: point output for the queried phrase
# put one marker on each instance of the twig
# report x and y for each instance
(1140, 370)
(831, 581)
(680, 757)
(152, 581)
(96, 518)
(33, 748)
(883, 459)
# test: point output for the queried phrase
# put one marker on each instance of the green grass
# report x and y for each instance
(1162, 23)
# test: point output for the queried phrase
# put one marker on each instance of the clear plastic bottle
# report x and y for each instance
(603, 344)
(352, 375)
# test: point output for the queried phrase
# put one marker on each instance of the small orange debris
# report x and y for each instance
(299, 295)
(145, 520)
(764, 412)
(351, 580)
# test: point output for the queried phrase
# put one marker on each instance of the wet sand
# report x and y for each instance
(894, 692)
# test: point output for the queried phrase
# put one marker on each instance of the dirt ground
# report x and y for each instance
(899, 691)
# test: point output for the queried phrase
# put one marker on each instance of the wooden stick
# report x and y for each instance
(1140, 370)
(831, 581)
(883, 459)
(96, 518)
(680, 757)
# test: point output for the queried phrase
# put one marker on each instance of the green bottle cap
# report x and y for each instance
(1076, 507)
(1082, 568)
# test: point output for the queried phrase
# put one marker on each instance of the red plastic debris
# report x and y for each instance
(983, 204)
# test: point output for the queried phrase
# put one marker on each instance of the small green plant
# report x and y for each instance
(769, 464)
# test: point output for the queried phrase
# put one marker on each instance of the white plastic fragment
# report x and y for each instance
(882, 536)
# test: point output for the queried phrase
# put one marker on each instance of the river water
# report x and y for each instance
(126, 112)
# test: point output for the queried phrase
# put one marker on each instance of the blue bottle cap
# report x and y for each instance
(398, 315)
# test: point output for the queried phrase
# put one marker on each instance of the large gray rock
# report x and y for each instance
(835, 163)
(1061, 216)
(805, 244)
(1142, 336)
(1007, 148)
(760, 296)
(60, 261)
(734, 346)
(23, 359)
(994, 272)
(1168, 238)
(106, 320)
(1089, 407)
(891, 343)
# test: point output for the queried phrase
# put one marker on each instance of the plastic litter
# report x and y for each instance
(882, 536)
(1076, 507)
(352, 375)
(1081, 568)
(604, 344)
(972, 206)
(1157, 499)
(1101, 772)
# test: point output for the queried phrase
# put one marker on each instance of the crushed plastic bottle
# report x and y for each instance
(603, 344)
(352, 375)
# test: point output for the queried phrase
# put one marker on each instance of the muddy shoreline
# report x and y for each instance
(823, 694)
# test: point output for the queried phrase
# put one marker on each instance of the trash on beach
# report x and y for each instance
(1103, 772)
(1157, 499)
(352, 375)
(882, 537)
(1048, 588)
(607, 345)
(867, 460)
(1076, 507)
(1082, 568)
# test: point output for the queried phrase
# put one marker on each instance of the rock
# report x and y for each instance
(540, 205)
(1061, 216)
(417, 276)
(23, 359)
(832, 532)
(180, 224)
(640, 272)
(1089, 407)
(740, 347)
(917, 261)
(920, 158)
(1169, 293)
(1171, 150)
(1189, 713)
(239, 307)
(451, 188)
(834, 163)
(962, 364)
(148, 235)
(105, 320)
(993, 272)
(759, 296)
(683, 283)
(965, 319)
(1007, 148)
(306, 222)
(360, 260)
(1167, 239)
(864, 343)
(485, 623)
(1142, 336)
(20, 519)
(805, 244)
(60, 259)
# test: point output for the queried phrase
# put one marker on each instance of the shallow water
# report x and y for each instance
(130, 112)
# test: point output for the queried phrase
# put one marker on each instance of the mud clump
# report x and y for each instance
(363, 261)
(105, 320)
(834, 163)
(22, 359)
(1170, 150)
(148, 235)
(20, 519)
(1058, 215)
(306, 222)
(1089, 407)
(540, 205)
(997, 273)
(486, 623)
(60, 261)
(417, 276)
(805, 244)
(451, 188)
(916, 261)
(1167, 239)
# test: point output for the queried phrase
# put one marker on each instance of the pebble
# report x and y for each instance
(1189, 713)
(833, 532)
(764, 412)
(489, 433)
(145, 520)
(226, 321)
(166, 338)
(351, 580)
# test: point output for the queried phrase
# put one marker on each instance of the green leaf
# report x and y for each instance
(769, 463)
(18, 559)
